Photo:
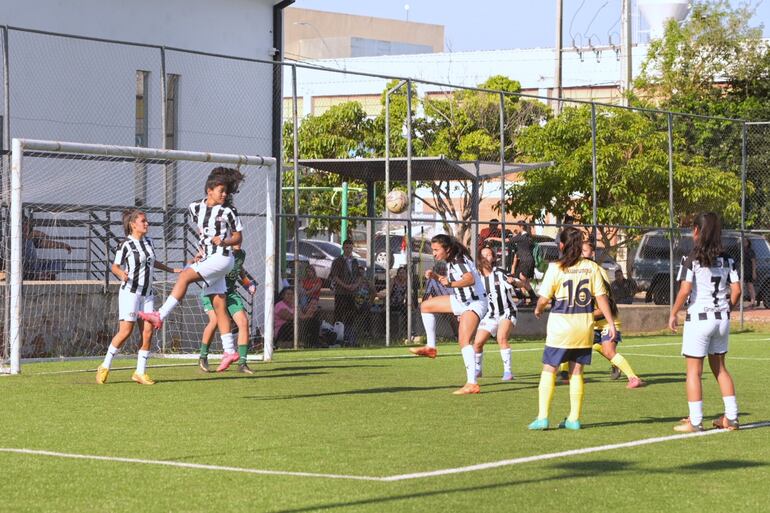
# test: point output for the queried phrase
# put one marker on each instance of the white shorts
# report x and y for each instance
(459, 308)
(490, 324)
(130, 302)
(213, 271)
(709, 336)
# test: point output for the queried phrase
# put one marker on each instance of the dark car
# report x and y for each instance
(652, 262)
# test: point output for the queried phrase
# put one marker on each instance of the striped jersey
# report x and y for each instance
(710, 285)
(211, 222)
(499, 295)
(137, 257)
(455, 272)
(601, 324)
(572, 292)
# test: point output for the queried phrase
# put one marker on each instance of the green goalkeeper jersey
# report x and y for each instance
(234, 276)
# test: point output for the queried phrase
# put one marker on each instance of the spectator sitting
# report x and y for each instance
(398, 299)
(623, 289)
(283, 324)
(434, 288)
(311, 284)
(36, 268)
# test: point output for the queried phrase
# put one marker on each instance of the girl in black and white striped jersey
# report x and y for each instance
(501, 316)
(133, 265)
(219, 229)
(468, 302)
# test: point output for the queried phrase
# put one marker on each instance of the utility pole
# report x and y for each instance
(626, 44)
(559, 46)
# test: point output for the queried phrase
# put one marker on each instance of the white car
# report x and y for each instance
(321, 254)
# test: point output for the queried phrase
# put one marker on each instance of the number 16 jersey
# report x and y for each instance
(710, 285)
(572, 292)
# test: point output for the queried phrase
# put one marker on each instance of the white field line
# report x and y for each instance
(183, 465)
(562, 454)
(393, 478)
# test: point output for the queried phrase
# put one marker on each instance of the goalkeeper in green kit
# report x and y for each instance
(237, 311)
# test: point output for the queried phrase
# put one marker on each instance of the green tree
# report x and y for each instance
(632, 174)
(340, 132)
(715, 64)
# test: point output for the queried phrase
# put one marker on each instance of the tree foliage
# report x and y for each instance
(632, 174)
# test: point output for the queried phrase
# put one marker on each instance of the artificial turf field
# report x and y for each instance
(345, 415)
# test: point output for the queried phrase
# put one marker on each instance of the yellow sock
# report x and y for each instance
(621, 363)
(575, 396)
(545, 389)
(564, 367)
(598, 348)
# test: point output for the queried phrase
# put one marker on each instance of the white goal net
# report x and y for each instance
(64, 225)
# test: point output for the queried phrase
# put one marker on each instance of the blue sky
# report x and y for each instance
(495, 24)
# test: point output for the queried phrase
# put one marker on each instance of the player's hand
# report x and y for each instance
(217, 241)
(444, 280)
(538, 312)
(612, 332)
(672, 322)
(124, 278)
(252, 289)
(430, 275)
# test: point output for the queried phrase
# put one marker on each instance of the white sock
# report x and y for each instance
(731, 407)
(429, 323)
(169, 305)
(469, 359)
(696, 412)
(505, 354)
(111, 352)
(228, 342)
(479, 361)
(141, 361)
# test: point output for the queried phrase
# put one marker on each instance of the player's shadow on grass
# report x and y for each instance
(646, 420)
(314, 367)
(366, 391)
(215, 376)
(577, 470)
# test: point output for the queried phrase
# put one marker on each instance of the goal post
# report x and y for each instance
(79, 191)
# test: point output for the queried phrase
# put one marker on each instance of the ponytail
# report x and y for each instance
(709, 244)
(572, 240)
(129, 216)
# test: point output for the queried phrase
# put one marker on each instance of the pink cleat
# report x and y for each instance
(635, 383)
(151, 317)
(227, 360)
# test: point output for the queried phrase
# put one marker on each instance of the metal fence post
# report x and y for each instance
(594, 213)
(295, 156)
(744, 164)
(670, 126)
(502, 182)
(409, 263)
(5, 182)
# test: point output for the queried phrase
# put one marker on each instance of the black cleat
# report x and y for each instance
(203, 364)
(244, 369)
(615, 373)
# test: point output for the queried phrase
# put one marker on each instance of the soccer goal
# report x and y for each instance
(64, 223)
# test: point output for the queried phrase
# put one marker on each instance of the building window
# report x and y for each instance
(141, 137)
(141, 108)
(172, 107)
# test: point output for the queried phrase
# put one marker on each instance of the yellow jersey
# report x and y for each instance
(601, 324)
(572, 292)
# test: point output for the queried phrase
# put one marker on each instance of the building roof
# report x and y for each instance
(424, 169)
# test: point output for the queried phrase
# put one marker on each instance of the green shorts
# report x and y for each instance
(234, 303)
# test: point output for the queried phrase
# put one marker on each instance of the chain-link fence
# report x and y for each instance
(488, 164)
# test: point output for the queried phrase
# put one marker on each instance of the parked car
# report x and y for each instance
(549, 252)
(422, 256)
(651, 262)
(321, 254)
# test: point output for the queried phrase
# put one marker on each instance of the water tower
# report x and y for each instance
(658, 12)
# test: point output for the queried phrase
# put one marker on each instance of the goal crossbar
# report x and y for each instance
(18, 149)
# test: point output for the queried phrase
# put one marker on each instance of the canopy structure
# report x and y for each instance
(424, 169)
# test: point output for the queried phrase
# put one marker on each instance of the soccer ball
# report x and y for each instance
(396, 201)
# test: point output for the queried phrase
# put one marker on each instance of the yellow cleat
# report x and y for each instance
(101, 375)
(142, 379)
